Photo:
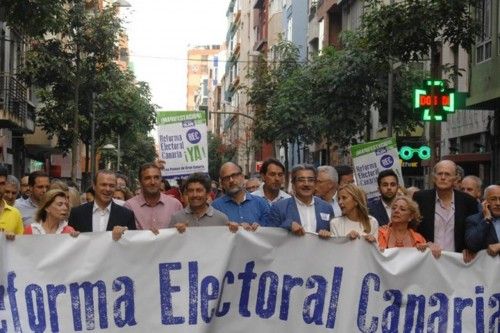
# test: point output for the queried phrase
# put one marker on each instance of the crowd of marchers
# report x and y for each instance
(456, 215)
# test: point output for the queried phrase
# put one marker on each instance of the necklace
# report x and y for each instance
(399, 241)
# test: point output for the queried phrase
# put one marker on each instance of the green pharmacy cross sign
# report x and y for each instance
(434, 101)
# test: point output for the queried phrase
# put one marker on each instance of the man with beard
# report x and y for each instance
(198, 213)
(303, 212)
(273, 176)
(240, 206)
(39, 183)
(388, 187)
(152, 209)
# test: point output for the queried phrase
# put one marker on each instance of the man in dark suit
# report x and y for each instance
(303, 212)
(483, 229)
(102, 214)
(388, 187)
(444, 211)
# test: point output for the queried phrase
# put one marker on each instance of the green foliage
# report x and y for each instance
(408, 30)
(34, 17)
(136, 149)
(277, 93)
(218, 154)
(81, 58)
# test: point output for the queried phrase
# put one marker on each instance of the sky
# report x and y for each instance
(160, 33)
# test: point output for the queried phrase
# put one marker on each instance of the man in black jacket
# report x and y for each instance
(102, 214)
(444, 210)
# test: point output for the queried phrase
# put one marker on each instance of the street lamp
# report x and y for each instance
(109, 148)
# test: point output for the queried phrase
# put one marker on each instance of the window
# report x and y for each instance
(483, 45)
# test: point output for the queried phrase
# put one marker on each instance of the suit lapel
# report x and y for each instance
(294, 210)
(87, 219)
(111, 220)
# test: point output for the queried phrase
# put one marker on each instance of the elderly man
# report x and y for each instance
(153, 210)
(303, 212)
(388, 185)
(326, 187)
(472, 186)
(444, 210)
(273, 176)
(240, 206)
(11, 190)
(39, 183)
(483, 229)
(252, 184)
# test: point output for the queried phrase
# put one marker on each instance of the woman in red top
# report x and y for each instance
(52, 215)
(400, 232)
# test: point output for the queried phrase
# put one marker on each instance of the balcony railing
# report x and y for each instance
(15, 110)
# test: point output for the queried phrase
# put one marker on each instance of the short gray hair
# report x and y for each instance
(476, 180)
(489, 188)
(301, 167)
(330, 171)
(13, 180)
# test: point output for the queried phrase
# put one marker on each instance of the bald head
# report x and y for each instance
(231, 178)
(445, 175)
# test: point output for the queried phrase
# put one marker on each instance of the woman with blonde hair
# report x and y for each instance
(355, 221)
(400, 232)
(52, 215)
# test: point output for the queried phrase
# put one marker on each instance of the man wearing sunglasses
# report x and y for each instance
(240, 206)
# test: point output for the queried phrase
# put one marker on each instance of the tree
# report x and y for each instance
(218, 154)
(74, 66)
(415, 30)
(65, 65)
(279, 95)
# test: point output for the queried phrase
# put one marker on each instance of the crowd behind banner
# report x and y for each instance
(454, 216)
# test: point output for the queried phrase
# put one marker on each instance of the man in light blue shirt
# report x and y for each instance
(39, 183)
(240, 206)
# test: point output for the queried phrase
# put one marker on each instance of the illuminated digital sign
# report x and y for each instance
(434, 101)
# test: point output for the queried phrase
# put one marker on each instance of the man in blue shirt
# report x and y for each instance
(239, 205)
(483, 229)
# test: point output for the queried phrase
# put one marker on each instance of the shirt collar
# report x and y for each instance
(142, 200)
(96, 208)
(228, 198)
(209, 212)
(438, 199)
(300, 203)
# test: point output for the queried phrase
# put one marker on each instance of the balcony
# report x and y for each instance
(16, 112)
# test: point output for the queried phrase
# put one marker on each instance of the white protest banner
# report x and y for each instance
(210, 280)
(183, 142)
(370, 159)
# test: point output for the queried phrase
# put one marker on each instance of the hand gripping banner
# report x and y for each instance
(210, 280)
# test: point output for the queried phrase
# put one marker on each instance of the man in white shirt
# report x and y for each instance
(326, 187)
(303, 212)
(273, 176)
(102, 214)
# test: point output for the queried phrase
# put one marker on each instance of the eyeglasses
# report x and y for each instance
(305, 180)
(233, 175)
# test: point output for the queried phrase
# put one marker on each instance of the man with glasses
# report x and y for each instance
(240, 206)
(303, 212)
(444, 211)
